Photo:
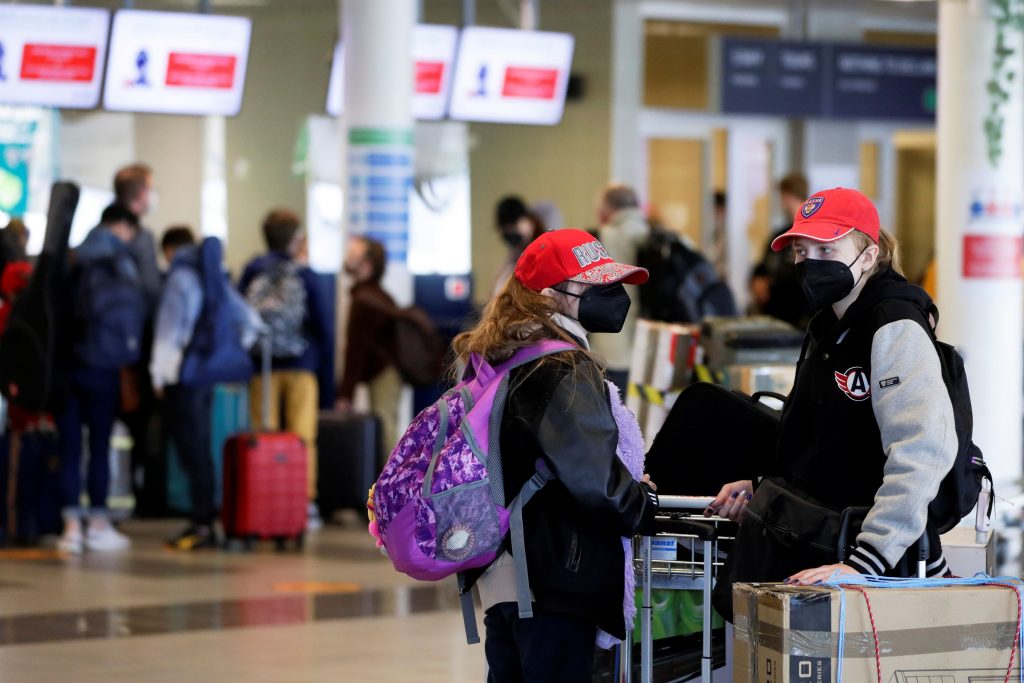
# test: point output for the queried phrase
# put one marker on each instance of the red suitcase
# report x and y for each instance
(265, 481)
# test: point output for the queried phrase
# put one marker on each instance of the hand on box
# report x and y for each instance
(809, 577)
(731, 502)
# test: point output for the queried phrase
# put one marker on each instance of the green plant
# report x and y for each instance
(1008, 16)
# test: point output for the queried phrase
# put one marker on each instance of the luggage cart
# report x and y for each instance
(681, 518)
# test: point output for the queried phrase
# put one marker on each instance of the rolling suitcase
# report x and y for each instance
(347, 447)
(265, 480)
(30, 484)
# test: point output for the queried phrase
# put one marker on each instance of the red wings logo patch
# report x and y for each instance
(855, 384)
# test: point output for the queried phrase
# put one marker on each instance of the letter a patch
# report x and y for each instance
(854, 383)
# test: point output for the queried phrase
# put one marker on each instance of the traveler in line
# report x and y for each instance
(370, 339)
(518, 227)
(133, 190)
(774, 284)
(108, 311)
(623, 230)
(203, 332)
(286, 294)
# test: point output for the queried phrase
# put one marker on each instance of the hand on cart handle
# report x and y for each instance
(646, 479)
(809, 577)
(731, 502)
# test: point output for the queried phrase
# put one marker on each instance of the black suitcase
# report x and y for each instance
(348, 448)
(712, 436)
(30, 486)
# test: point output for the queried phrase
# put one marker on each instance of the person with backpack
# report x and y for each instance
(561, 418)
(108, 310)
(685, 287)
(623, 230)
(204, 331)
(286, 294)
(370, 341)
(870, 422)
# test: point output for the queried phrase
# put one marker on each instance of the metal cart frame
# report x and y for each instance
(681, 518)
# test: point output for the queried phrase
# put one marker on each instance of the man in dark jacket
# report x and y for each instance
(370, 338)
(133, 191)
(774, 283)
(95, 387)
(287, 295)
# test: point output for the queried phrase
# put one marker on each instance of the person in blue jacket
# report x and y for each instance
(203, 333)
(286, 294)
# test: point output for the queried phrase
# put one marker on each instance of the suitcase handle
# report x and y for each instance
(265, 372)
(758, 395)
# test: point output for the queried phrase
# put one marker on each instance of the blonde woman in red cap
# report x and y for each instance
(561, 410)
(869, 421)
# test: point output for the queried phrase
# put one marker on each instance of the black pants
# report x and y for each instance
(187, 422)
(549, 648)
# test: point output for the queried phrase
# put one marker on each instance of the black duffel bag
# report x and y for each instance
(783, 532)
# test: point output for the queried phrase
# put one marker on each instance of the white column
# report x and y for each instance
(979, 227)
(378, 127)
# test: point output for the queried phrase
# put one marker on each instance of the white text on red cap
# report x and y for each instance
(587, 254)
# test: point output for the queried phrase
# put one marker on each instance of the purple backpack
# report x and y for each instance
(440, 501)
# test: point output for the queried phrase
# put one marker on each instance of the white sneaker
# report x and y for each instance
(313, 521)
(106, 539)
(70, 542)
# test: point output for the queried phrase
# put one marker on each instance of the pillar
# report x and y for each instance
(378, 127)
(978, 243)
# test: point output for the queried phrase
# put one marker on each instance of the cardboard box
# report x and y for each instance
(777, 378)
(955, 634)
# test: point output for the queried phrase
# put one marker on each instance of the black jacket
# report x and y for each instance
(831, 441)
(558, 410)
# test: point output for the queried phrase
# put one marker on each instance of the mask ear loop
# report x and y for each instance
(578, 296)
(852, 263)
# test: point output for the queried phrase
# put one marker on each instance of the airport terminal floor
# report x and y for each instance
(336, 612)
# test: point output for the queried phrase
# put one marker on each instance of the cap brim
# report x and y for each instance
(610, 273)
(819, 232)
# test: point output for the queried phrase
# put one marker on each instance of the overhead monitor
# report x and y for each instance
(52, 56)
(508, 76)
(433, 53)
(176, 63)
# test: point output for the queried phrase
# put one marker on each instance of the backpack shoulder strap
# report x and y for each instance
(540, 478)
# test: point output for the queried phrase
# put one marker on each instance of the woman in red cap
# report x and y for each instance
(560, 409)
(869, 422)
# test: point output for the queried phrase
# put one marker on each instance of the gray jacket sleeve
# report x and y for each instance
(915, 418)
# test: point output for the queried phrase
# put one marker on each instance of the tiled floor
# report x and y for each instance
(335, 612)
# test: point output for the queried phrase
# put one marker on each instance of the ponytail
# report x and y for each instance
(888, 250)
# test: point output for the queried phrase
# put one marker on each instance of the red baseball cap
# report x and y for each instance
(570, 254)
(831, 215)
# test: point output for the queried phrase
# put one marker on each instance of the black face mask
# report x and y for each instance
(826, 282)
(512, 238)
(602, 309)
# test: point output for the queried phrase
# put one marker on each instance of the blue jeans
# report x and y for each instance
(93, 402)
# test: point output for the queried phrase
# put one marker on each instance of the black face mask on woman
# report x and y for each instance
(602, 308)
(826, 282)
